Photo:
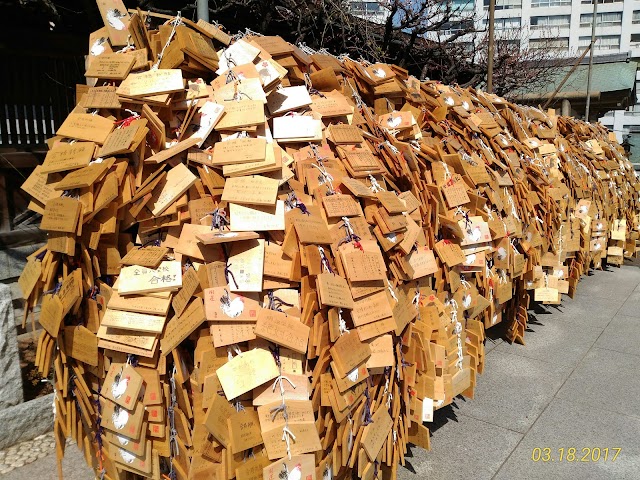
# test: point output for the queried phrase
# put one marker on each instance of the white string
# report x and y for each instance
(287, 434)
(488, 210)
(233, 348)
(416, 302)
(560, 241)
(176, 22)
(355, 96)
(513, 206)
(467, 158)
(447, 173)
(392, 147)
(506, 229)
(375, 186)
(324, 260)
(280, 381)
(342, 323)
(348, 226)
(324, 177)
(391, 291)
(127, 47)
(457, 330)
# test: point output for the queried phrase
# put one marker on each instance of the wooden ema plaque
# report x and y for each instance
(268, 262)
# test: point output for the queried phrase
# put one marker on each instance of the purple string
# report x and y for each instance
(276, 303)
(54, 290)
(366, 413)
(402, 360)
(187, 265)
(228, 272)
(314, 149)
(93, 292)
(350, 237)
(387, 376)
(154, 243)
(325, 261)
(303, 208)
(275, 351)
(467, 221)
(293, 202)
(132, 360)
(219, 220)
(99, 429)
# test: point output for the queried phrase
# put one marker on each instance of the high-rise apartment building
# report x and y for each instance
(567, 22)
(371, 10)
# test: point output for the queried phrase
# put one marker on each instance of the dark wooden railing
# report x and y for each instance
(36, 94)
(37, 91)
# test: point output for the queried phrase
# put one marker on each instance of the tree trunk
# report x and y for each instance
(404, 60)
(388, 29)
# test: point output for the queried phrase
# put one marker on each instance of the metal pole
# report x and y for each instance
(593, 41)
(203, 10)
(492, 11)
(566, 77)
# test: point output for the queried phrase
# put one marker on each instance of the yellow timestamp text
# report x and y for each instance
(572, 454)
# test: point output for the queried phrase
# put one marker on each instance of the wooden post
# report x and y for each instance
(593, 41)
(492, 11)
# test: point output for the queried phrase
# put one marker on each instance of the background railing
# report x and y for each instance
(37, 91)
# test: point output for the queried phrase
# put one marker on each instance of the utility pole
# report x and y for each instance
(593, 41)
(203, 10)
(492, 12)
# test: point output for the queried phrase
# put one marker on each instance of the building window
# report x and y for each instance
(505, 4)
(608, 19)
(549, 43)
(504, 23)
(590, 2)
(451, 28)
(365, 7)
(545, 21)
(603, 42)
(507, 45)
(462, 5)
(635, 39)
(636, 16)
(549, 3)
(468, 47)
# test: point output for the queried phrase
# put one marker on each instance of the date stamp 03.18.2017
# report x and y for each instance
(573, 454)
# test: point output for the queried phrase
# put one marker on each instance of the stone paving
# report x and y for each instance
(575, 385)
(26, 452)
